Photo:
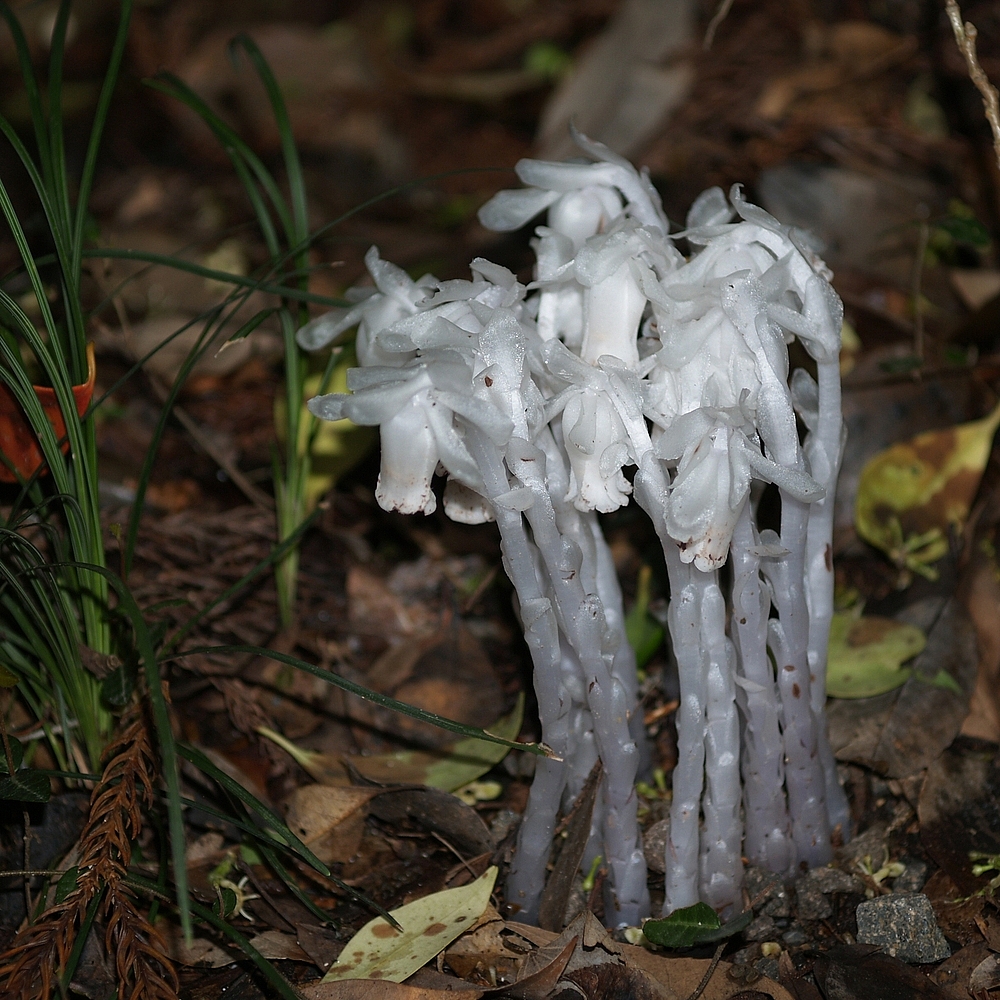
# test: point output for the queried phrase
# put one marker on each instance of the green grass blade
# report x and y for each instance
(275, 978)
(31, 88)
(200, 761)
(253, 284)
(97, 132)
(299, 230)
(373, 696)
(231, 142)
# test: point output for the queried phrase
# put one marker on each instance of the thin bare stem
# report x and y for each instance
(717, 18)
(965, 39)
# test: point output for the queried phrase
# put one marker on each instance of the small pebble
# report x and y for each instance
(654, 845)
(768, 890)
(746, 956)
(794, 936)
(810, 903)
(768, 967)
(903, 925)
(832, 880)
(913, 879)
(761, 929)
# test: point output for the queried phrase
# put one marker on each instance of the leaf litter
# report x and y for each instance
(832, 92)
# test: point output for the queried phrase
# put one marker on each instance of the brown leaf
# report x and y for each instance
(368, 989)
(483, 945)
(321, 945)
(981, 596)
(437, 811)
(956, 920)
(953, 974)
(594, 946)
(616, 982)
(543, 981)
(276, 945)
(329, 820)
(681, 976)
(861, 972)
(903, 731)
(959, 810)
(552, 909)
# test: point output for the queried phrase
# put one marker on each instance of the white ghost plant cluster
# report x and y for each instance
(627, 367)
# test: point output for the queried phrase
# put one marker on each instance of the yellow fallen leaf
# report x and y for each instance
(913, 493)
(379, 951)
(867, 654)
(449, 768)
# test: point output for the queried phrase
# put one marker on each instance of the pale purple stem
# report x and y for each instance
(768, 829)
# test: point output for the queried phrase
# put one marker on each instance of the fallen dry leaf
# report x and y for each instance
(437, 811)
(278, 946)
(200, 953)
(904, 731)
(367, 989)
(959, 810)
(329, 820)
(981, 597)
(862, 972)
(680, 976)
(483, 945)
(430, 924)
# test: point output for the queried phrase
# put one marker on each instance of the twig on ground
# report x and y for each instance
(709, 972)
(965, 39)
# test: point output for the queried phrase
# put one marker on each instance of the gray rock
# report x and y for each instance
(902, 925)
(831, 880)
(768, 967)
(913, 879)
(871, 844)
(761, 928)
(811, 904)
(768, 892)
(745, 956)
(795, 935)
(654, 845)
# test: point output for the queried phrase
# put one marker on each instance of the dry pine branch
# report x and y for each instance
(965, 39)
(40, 951)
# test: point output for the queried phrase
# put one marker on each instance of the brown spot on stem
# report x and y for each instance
(488, 381)
(796, 691)
(789, 667)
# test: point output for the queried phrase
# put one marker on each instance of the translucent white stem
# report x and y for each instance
(527, 874)
(684, 618)
(722, 838)
(824, 448)
(768, 829)
(789, 638)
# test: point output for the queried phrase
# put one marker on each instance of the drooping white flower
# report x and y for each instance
(395, 296)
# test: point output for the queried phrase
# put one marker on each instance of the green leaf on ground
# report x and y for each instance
(449, 768)
(867, 655)
(683, 927)
(379, 951)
